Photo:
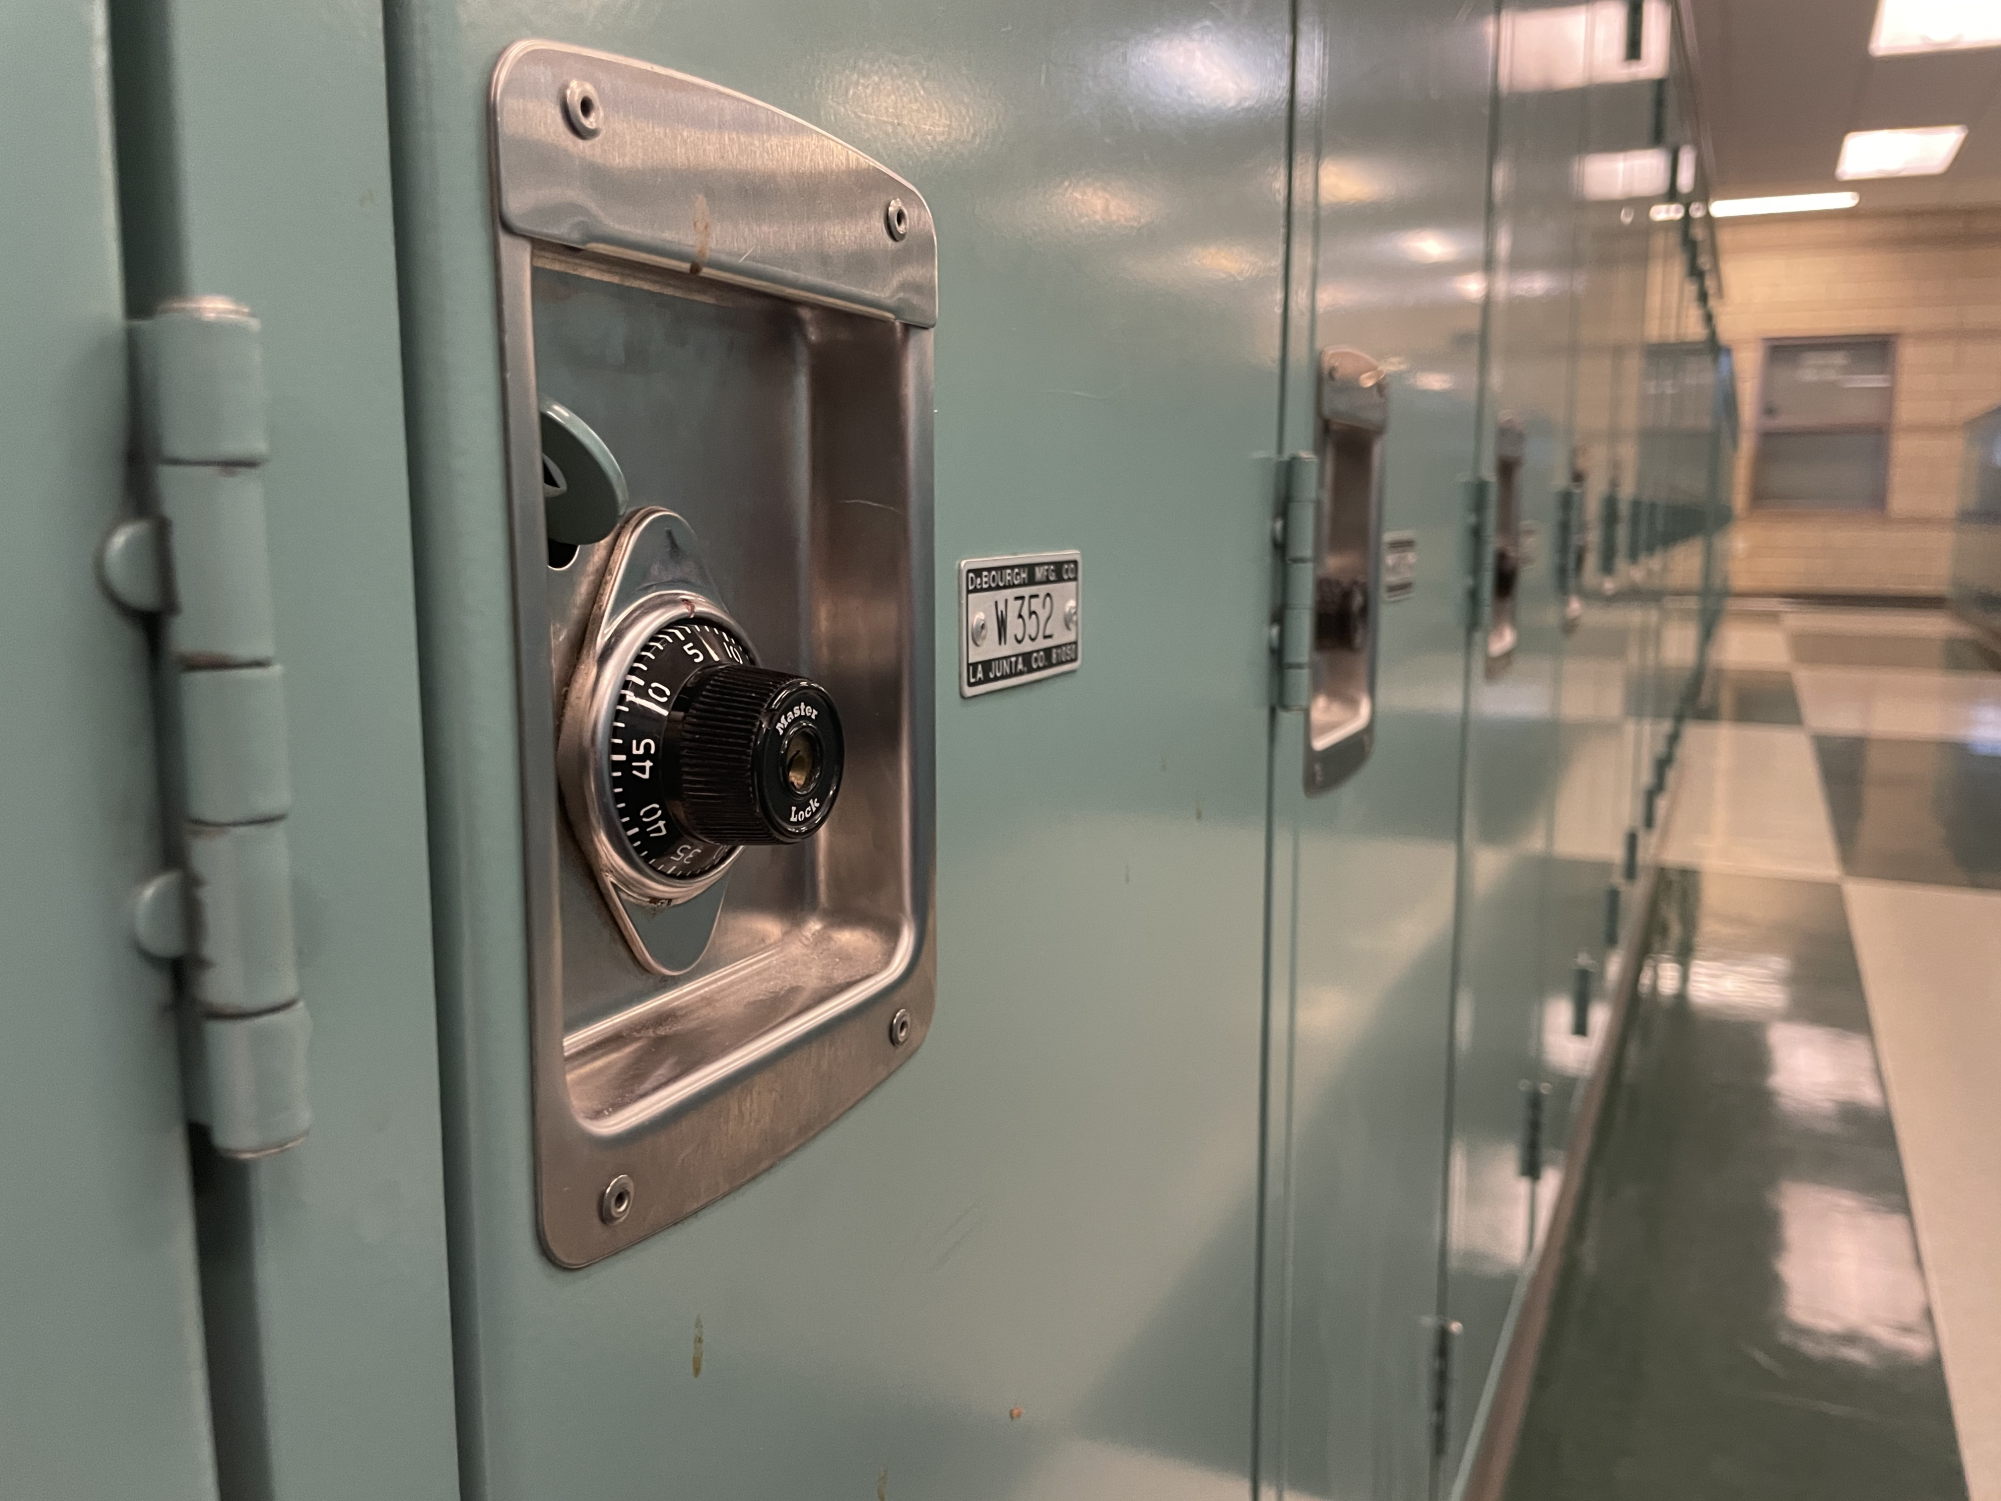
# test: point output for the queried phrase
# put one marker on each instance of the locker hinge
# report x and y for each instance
(1608, 534)
(1444, 1340)
(1583, 979)
(1569, 539)
(1292, 533)
(196, 558)
(1535, 1103)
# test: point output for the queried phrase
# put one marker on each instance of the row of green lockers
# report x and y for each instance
(1219, 1119)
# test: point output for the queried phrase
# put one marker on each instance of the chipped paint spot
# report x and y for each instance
(703, 228)
(698, 1344)
(1013, 1413)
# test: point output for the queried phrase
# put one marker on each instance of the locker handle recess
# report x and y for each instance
(724, 964)
(1346, 562)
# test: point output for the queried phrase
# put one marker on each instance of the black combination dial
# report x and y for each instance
(703, 751)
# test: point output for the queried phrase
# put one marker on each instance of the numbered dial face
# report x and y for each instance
(641, 746)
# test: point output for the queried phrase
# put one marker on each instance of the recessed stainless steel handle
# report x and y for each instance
(1506, 563)
(704, 1005)
(1347, 562)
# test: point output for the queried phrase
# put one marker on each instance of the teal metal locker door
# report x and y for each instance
(101, 1374)
(1623, 123)
(1514, 665)
(1025, 1264)
(1597, 800)
(254, 166)
(1389, 228)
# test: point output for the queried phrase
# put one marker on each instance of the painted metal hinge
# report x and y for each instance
(1569, 534)
(196, 557)
(1583, 980)
(1608, 534)
(1535, 1105)
(1294, 534)
(1444, 1340)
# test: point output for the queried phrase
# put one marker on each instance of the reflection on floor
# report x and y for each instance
(1744, 1309)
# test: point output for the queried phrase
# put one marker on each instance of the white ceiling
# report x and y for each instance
(1782, 81)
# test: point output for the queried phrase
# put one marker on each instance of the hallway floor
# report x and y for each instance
(1764, 1295)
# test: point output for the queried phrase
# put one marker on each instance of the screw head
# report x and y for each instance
(979, 628)
(1070, 615)
(583, 109)
(896, 218)
(899, 1028)
(615, 1203)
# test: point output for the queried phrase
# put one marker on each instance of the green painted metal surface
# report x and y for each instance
(253, 161)
(1512, 731)
(1364, 878)
(1053, 1209)
(102, 1386)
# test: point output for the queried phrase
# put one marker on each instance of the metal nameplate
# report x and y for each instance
(1018, 620)
(1399, 566)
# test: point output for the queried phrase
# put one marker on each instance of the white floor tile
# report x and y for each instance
(1594, 798)
(1931, 967)
(1749, 801)
(1900, 704)
(1593, 691)
(1750, 643)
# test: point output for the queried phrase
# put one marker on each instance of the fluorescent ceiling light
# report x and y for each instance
(1427, 246)
(1934, 26)
(1571, 46)
(1603, 176)
(1789, 203)
(1921, 151)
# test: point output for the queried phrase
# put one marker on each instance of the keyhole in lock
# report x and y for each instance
(802, 760)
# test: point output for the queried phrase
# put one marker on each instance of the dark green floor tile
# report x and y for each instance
(1914, 810)
(1739, 695)
(1740, 1313)
(1744, 695)
(1840, 650)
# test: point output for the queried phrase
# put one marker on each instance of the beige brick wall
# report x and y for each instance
(1932, 280)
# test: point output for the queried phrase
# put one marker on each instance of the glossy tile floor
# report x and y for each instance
(1764, 1296)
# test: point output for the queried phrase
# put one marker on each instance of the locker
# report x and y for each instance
(1038, 1043)
(324, 1268)
(1395, 100)
(1025, 1261)
(101, 1385)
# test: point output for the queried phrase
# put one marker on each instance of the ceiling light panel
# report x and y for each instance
(1786, 203)
(1921, 151)
(1934, 26)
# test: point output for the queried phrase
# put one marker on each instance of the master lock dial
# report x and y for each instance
(678, 748)
(691, 750)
